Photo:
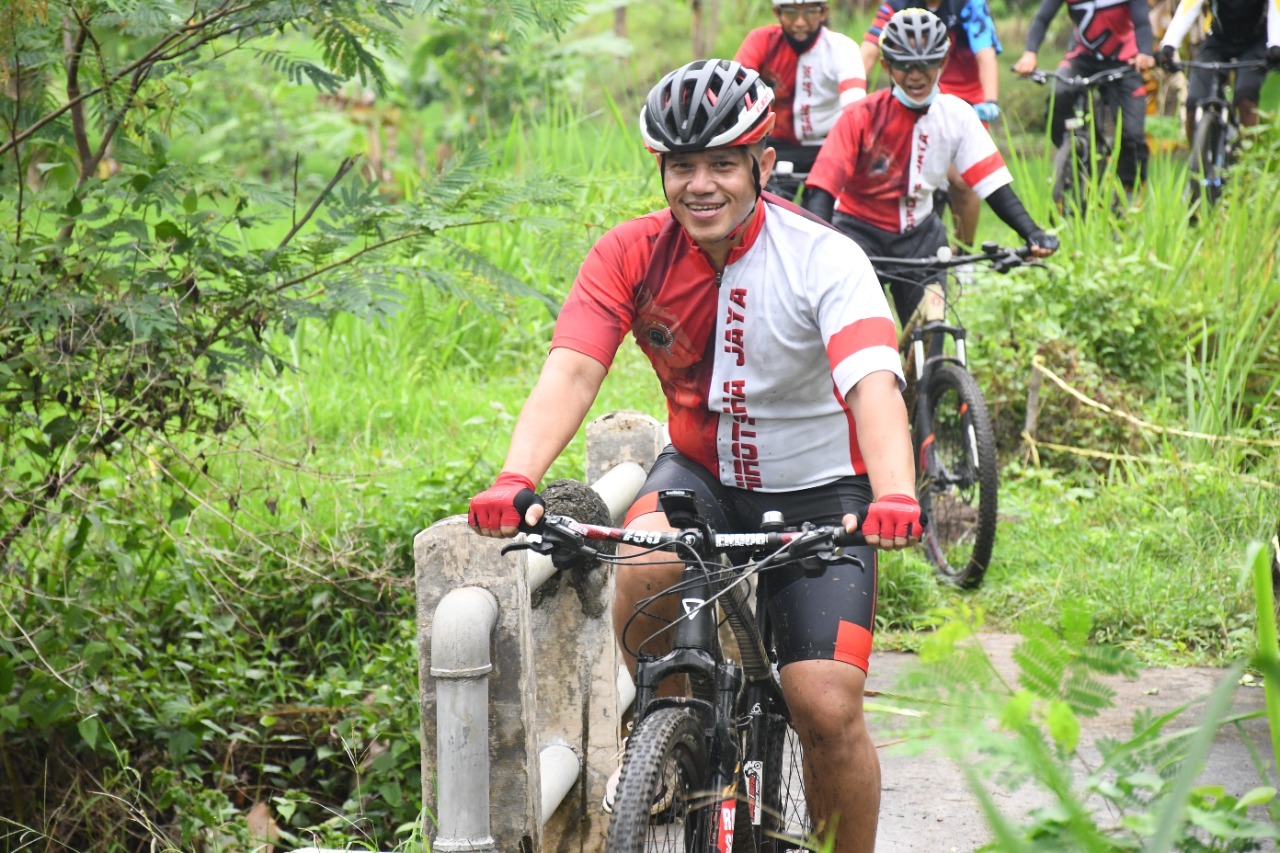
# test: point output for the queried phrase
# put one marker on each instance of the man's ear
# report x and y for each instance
(767, 159)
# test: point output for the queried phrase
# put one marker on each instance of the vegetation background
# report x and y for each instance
(277, 278)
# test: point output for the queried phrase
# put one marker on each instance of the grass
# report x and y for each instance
(375, 430)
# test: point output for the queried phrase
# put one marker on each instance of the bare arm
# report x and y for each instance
(988, 73)
(884, 438)
(551, 416)
(870, 56)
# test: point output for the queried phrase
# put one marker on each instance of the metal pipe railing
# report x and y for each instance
(460, 660)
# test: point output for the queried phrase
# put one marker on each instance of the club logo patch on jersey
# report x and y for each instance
(658, 335)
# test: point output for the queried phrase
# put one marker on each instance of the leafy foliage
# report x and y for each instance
(164, 639)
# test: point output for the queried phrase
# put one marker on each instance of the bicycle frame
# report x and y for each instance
(730, 700)
(1089, 132)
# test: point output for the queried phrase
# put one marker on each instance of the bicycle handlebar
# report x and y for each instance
(1001, 259)
(1234, 65)
(1076, 81)
(560, 536)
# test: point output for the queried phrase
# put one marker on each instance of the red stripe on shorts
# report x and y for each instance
(853, 644)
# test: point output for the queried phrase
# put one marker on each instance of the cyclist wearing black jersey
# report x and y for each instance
(1107, 35)
(1236, 32)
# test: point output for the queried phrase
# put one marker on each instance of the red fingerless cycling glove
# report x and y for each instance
(495, 507)
(892, 516)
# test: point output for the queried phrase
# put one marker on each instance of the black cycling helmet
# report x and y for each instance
(709, 103)
(915, 35)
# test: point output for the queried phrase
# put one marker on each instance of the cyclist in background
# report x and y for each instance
(814, 71)
(1107, 35)
(1236, 32)
(776, 352)
(876, 176)
(971, 74)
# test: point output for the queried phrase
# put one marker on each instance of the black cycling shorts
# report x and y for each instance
(816, 614)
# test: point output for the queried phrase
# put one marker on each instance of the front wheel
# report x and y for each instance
(662, 805)
(1071, 175)
(957, 477)
(1204, 173)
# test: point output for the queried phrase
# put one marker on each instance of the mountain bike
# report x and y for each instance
(1088, 145)
(1217, 132)
(957, 477)
(718, 770)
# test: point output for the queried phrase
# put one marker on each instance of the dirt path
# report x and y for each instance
(926, 806)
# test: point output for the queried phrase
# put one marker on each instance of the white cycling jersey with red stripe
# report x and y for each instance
(883, 161)
(756, 364)
(809, 89)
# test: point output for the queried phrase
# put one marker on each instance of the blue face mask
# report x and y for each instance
(911, 103)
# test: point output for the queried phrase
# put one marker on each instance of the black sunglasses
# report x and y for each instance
(925, 65)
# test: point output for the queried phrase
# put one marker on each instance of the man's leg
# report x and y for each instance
(841, 767)
(635, 579)
(966, 206)
(1132, 166)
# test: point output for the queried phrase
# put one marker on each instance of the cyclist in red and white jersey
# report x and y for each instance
(877, 174)
(814, 72)
(1108, 34)
(777, 355)
(971, 74)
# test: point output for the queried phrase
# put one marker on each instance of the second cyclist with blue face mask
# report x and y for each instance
(877, 172)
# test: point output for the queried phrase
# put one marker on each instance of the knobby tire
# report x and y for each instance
(1204, 177)
(958, 478)
(665, 763)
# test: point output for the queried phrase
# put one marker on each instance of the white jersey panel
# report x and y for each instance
(949, 132)
(829, 77)
(783, 423)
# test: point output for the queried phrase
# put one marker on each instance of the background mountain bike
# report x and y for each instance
(1085, 151)
(720, 769)
(956, 470)
(1217, 132)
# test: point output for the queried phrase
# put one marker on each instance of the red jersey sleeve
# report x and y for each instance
(753, 49)
(600, 308)
(831, 171)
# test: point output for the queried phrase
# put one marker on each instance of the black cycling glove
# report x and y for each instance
(1040, 239)
(1273, 56)
(1169, 58)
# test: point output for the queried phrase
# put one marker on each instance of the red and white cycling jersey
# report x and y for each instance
(756, 363)
(809, 89)
(882, 161)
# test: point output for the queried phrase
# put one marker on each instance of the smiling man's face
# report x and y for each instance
(711, 192)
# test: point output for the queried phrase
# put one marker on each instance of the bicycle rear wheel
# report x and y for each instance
(1204, 172)
(662, 804)
(1071, 175)
(773, 813)
(958, 478)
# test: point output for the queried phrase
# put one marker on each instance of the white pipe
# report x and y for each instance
(626, 689)
(460, 663)
(560, 767)
(617, 488)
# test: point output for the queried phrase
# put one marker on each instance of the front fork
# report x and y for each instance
(693, 654)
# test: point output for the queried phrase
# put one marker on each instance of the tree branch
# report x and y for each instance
(156, 54)
(74, 47)
(343, 168)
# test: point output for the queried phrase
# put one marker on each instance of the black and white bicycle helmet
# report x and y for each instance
(709, 103)
(915, 35)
